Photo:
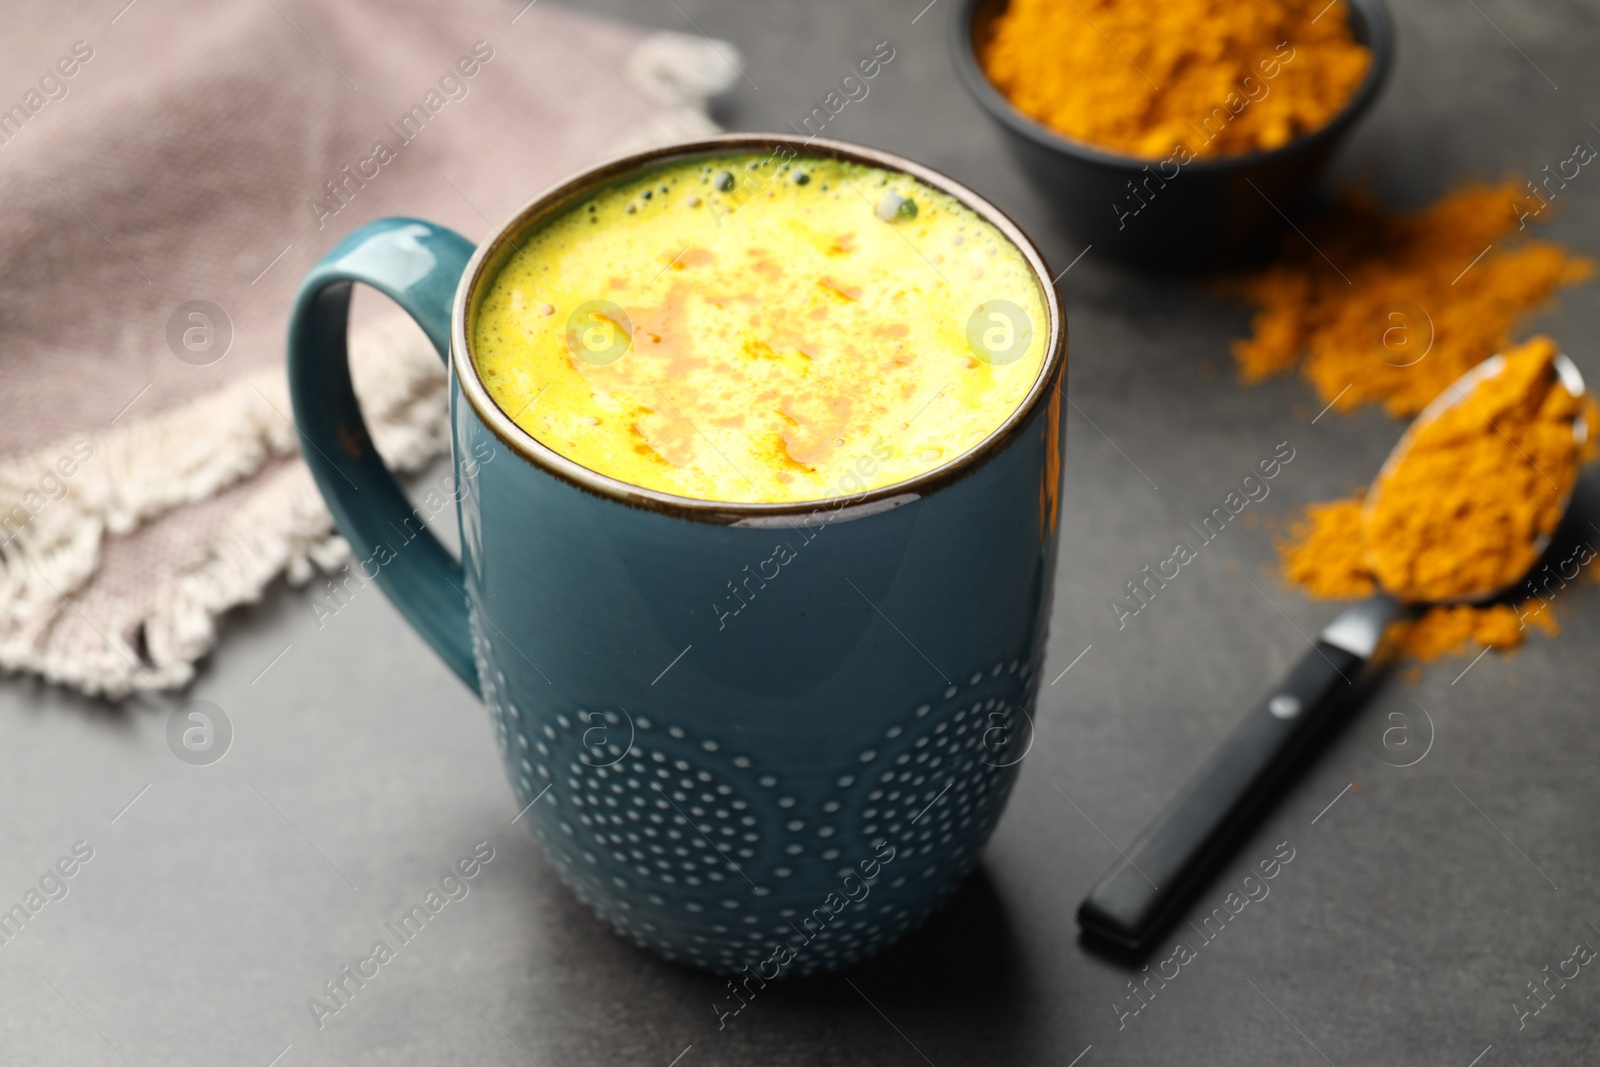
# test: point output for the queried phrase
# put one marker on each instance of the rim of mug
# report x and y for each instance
(562, 193)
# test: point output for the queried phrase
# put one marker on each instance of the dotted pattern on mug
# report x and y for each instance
(695, 851)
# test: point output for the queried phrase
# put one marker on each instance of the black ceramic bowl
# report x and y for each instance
(1212, 209)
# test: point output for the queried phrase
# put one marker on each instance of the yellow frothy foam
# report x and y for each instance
(746, 329)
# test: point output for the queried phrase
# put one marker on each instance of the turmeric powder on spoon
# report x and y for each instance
(1476, 496)
(1465, 510)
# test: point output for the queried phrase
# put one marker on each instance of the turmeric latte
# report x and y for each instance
(1473, 499)
(740, 328)
(1180, 79)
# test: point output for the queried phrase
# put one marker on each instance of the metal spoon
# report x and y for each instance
(1134, 901)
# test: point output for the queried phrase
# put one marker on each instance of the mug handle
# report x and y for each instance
(417, 265)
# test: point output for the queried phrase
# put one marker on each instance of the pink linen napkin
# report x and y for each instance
(169, 171)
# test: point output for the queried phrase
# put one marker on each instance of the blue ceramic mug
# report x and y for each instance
(783, 779)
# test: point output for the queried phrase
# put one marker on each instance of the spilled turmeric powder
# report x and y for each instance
(1389, 309)
(1462, 628)
(1464, 511)
(1323, 553)
(1148, 77)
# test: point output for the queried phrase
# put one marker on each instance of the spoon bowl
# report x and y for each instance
(1454, 395)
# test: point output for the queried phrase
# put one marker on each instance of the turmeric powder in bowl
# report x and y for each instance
(1146, 77)
(1471, 502)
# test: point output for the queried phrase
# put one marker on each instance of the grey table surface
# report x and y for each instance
(1415, 911)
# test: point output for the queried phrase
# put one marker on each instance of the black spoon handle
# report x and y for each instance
(1155, 876)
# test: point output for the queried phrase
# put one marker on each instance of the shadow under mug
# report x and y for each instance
(765, 736)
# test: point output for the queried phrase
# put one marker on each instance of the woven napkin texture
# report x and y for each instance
(168, 172)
